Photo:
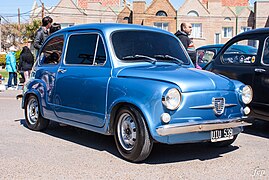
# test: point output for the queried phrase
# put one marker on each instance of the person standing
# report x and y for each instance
(11, 68)
(26, 62)
(42, 33)
(183, 36)
(55, 27)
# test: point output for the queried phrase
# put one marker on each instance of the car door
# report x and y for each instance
(49, 61)
(260, 101)
(238, 59)
(82, 80)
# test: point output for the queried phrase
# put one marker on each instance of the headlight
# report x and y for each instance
(247, 94)
(171, 99)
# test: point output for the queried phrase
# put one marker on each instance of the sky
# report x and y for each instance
(9, 8)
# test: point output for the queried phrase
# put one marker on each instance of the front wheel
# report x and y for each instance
(34, 119)
(131, 135)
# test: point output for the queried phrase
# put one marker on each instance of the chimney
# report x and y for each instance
(214, 6)
(82, 4)
(139, 8)
(235, 2)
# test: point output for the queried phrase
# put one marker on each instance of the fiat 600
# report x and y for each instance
(136, 83)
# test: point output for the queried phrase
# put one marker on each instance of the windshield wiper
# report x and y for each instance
(145, 58)
(174, 59)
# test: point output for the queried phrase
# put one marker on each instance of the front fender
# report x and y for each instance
(37, 88)
(144, 94)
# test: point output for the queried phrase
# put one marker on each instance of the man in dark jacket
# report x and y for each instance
(42, 33)
(183, 36)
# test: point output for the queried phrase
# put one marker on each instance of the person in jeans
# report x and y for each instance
(11, 68)
(26, 62)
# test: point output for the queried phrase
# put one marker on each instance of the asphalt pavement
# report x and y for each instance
(64, 152)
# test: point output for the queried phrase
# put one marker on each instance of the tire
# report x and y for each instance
(132, 137)
(224, 143)
(34, 120)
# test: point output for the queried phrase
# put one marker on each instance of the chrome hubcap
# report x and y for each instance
(126, 130)
(32, 110)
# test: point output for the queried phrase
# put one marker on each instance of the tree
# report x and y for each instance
(30, 29)
(10, 35)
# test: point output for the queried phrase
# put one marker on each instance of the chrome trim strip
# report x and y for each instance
(230, 105)
(181, 128)
(210, 106)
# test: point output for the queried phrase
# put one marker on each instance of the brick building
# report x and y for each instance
(213, 21)
(72, 12)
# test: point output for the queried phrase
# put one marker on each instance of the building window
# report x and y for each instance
(193, 13)
(161, 25)
(244, 29)
(161, 13)
(196, 30)
(65, 25)
(227, 19)
(127, 19)
(227, 32)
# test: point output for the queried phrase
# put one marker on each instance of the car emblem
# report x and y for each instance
(218, 105)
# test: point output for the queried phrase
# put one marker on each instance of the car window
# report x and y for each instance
(265, 58)
(52, 51)
(100, 57)
(146, 43)
(85, 49)
(204, 56)
(242, 52)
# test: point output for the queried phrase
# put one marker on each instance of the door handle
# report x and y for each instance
(260, 70)
(62, 70)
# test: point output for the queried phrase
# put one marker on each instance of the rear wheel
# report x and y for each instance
(131, 135)
(33, 118)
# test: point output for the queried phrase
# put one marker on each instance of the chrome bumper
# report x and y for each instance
(181, 128)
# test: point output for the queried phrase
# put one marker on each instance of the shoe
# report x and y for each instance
(19, 96)
(10, 88)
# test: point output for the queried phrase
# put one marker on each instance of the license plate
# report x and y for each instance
(221, 134)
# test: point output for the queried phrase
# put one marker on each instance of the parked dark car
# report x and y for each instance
(136, 83)
(205, 54)
(250, 67)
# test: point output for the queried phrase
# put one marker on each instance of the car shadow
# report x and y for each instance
(164, 153)
(258, 128)
(161, 153)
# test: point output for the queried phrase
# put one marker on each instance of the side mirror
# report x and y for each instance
(209, 65)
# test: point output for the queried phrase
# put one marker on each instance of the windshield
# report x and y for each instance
(134, 46)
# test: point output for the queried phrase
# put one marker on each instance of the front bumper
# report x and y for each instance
(180, 128)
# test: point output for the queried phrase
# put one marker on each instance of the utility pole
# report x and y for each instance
(19, 20)
(42, 12)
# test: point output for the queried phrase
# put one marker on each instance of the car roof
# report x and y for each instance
(254, 31)
(210, 46)
(250, 32)
(110, 27)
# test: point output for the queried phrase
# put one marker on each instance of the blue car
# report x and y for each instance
(136, 83)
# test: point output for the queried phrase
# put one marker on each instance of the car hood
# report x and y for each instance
(188, 79)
